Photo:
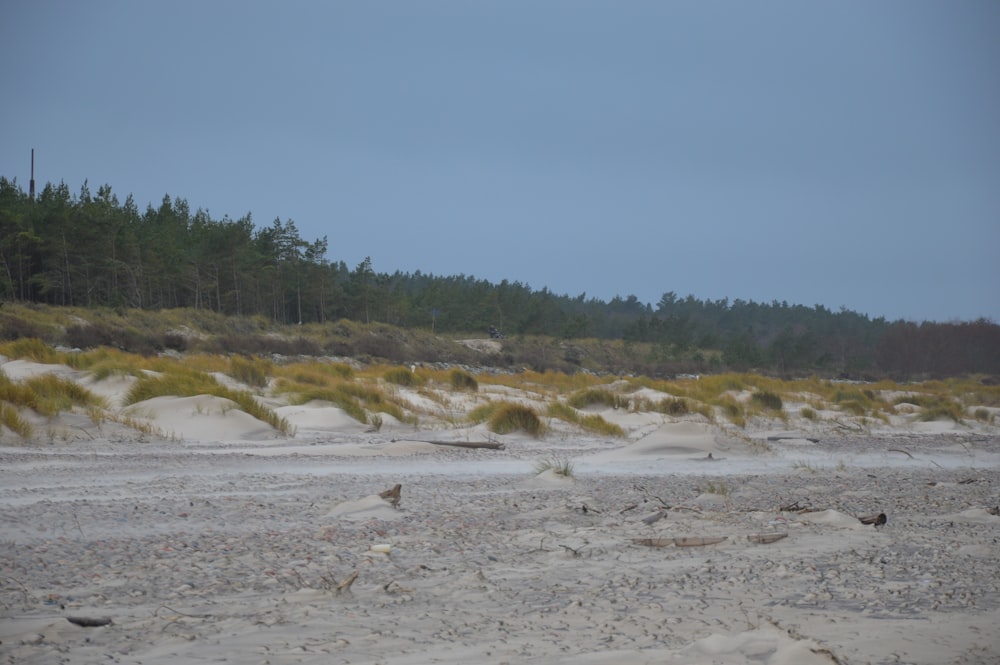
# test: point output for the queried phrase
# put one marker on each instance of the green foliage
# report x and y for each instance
(510, 417)
(808, 413)
(58, 248)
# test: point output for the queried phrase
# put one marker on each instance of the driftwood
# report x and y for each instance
(698, 541)
(346, 584)
(783, 438)
(877, 520)
(491, 445)
(655, 517)
(89, 622)
(766, 538)
(654, 542)
(393, 495)
(689, 541)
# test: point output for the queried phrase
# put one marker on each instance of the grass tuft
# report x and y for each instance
(462, 380)
(557, 465)
(509, 417)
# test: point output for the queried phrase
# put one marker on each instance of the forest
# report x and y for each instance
(92, 250)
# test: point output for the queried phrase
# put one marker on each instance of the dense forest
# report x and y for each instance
(89, 250)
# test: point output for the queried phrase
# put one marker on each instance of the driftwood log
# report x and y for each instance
(689, 541)
(766, 538)
(491, 445)
(89, 622)
(877, 520)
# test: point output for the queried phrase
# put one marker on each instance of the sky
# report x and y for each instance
(842, 153)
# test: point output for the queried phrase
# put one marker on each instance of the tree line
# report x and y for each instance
(91, 250)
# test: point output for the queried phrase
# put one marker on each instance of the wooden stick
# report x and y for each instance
(346, 584)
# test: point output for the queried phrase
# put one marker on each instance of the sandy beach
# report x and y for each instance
(682, 542)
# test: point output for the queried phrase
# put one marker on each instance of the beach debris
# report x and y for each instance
(995, 510)
(877, 520)
(382, 548)
(584, 508)
(90, 622)
(654, 542)
(686, 541)
(796, 508)
(488, 445)
(346, 584)
(631, 506)
(698, 541)
(393, 495)
(655, 517)
(766, 538)
(650, 495)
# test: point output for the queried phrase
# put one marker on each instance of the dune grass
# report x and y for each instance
(560, 466)
(590, 422)
(581, 399)
(511, 417)
(185, 382)
(462, 380)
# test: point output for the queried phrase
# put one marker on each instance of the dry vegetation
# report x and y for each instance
(414, 378)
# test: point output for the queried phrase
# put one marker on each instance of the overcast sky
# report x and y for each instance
(843, 153)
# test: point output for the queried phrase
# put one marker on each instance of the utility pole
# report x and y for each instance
(31, 184)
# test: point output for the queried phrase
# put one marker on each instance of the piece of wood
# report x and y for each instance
(655, 517)
(393, 495)
(89, 622)
(877, 520)
(654, 542)
(698, 541)
(766, 538)
(346, 584)
(490, 445)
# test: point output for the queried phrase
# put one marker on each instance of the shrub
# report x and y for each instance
(513, 417)
(982, 415)
(462, 380)
(808, 413)
(767, 400)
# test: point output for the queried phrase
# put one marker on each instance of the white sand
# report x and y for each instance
(227, 544)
